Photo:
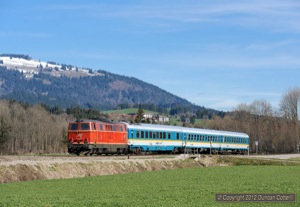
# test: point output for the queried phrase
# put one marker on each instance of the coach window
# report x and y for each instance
(177, 135)
(150, 135)
(154, 135)
(146, 136)
(169, 135)
(142, 134)
(164, 135)
(137, 134)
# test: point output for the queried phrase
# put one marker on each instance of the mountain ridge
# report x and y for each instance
(34, 81)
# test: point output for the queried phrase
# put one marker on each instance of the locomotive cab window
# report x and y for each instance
(73, 126)
(84, 126)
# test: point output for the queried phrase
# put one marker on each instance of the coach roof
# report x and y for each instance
(156, 127)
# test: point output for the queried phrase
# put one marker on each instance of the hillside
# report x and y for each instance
(33, 81)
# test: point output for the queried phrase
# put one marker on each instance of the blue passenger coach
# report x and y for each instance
(174, 139)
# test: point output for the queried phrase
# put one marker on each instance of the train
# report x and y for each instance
(95, 137)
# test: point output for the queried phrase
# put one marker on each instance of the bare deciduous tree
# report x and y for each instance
(289, 106)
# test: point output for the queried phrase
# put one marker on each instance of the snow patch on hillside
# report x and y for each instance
(35, 67)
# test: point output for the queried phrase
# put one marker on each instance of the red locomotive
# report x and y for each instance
(97, 137)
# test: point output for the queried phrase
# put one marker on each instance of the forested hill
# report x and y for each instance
(53, 84)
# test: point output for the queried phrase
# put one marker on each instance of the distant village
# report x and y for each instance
(153, 118)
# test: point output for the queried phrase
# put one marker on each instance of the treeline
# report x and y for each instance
(26, 128)
(26, 57)
(31, 129)
(274, 131)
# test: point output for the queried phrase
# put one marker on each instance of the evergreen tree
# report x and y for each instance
(139, 115)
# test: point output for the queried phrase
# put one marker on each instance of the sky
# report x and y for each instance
(217, 54)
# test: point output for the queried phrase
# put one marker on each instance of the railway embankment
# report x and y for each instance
(28, 168)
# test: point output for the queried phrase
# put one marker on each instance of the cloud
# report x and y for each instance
(275, 14)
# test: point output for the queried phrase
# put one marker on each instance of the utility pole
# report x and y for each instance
(210, 146)
(256, 146)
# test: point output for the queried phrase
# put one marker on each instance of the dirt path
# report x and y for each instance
(280, 156)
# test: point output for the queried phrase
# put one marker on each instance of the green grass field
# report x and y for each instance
(182, 187)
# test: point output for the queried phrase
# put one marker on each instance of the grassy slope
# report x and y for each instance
(182, 187)
(127, 111)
